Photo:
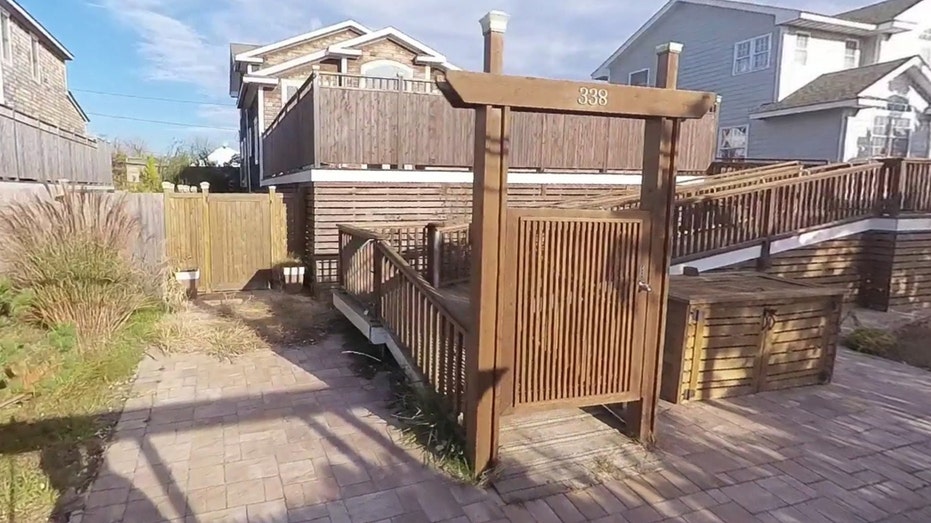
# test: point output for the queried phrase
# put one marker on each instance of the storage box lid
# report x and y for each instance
(742, 286)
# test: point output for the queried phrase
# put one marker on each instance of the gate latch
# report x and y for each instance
(642, 285)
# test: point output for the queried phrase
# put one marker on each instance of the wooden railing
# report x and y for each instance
(727, 166)
(416, 316)
(449, 253)
(394, 293)
(910, 181)
(730, 218)
(356, 262)
(344, 120)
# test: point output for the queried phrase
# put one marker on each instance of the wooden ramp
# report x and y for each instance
(554, 451)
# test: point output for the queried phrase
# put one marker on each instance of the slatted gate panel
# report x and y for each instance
(574, 311)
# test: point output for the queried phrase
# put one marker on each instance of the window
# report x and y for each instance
(34, 58)
(752, 55)
(852, 54)
(641, 77)
(801, 48)
(891, 136)
(733, 143)
(384, 74)
(288, 90)
(6, 42)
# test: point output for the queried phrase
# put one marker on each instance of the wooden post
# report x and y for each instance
(765, 261)
(315, 124)
(205, 271)
(657, 196)
(273, 239)
(489, 208)
(434, 242)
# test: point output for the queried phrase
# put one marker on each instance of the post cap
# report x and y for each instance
(168, 187)
(494, 22)
(671, 47)
(204, 186)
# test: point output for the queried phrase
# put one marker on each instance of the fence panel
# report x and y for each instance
(33, 150)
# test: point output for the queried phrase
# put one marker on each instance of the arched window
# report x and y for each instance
(386, 69)
(385, 74)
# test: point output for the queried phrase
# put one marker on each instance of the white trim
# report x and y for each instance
(261, 131)
(796, 49)
(857, 57)
(670, 47)
(284, 82)
(387, 61)
(632, 73)
(727, 259)
(430, 53)
(375, 335)
(427, 73)
(38, 27)
(494, 22)
(852, 103)
(6, 51)
(348, 24)
(295, 62)
(259, 80)
(449, 176)
(830, 20)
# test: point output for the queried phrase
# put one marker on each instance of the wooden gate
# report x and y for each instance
(235, 240)
(575, 307)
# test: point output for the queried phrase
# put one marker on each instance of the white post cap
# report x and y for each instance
(204, 186)
(494, 22)
(672, 47)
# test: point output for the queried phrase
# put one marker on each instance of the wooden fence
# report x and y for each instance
(235, 240)
(333, 121)
(35, 151)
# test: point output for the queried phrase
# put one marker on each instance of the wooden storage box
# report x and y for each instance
(731, 334)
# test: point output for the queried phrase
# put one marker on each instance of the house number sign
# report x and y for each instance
(592, 96)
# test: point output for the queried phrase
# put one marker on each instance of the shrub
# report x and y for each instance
(73, 252)
(871, 341)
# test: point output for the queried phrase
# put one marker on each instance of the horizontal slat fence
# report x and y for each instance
(345, 120)
(33, 150)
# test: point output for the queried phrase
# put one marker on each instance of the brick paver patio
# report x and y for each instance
(298, 437)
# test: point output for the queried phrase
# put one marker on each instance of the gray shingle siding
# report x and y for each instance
(709, 35)
(808, 136)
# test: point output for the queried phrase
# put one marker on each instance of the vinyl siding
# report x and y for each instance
(709, 35)
(809, 136)
(826, 53)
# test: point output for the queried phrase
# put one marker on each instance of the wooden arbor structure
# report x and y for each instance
(568, 306)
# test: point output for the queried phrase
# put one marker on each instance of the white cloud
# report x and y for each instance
(187, 41)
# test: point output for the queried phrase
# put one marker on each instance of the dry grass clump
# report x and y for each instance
(74, 252)
(194, 330)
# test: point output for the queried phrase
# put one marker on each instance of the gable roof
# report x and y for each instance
(294, 40)
(879, 13)
(835, 87)
(351, 46)
(779, 12)
(17, 11)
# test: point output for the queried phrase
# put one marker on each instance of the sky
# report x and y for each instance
(179, 49)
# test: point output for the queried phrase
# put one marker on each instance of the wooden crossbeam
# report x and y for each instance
(464, 89)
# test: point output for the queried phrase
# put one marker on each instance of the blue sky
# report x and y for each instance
(178, 49)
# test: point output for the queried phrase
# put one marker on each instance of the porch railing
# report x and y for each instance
(338, 120)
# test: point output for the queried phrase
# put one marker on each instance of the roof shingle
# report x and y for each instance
(880, 12)
(836, 87)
